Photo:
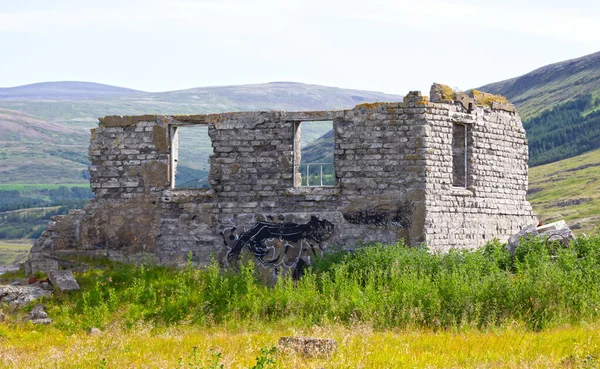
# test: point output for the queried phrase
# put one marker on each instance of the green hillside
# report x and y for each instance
(33, 150)
(26, 209)
(567, 130)
(557, 104)
(320, 150)
(546, 87)
(568, 189)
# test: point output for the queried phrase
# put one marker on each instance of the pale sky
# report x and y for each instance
(391, 46)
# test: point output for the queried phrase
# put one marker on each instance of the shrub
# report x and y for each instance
(382, 285)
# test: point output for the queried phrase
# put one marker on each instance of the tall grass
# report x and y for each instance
(383, 286)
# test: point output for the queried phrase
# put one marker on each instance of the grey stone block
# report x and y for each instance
(63, 280)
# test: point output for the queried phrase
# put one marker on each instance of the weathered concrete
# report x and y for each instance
(394, 181)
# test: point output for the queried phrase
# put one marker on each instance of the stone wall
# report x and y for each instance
(493, 204)
(393, 165)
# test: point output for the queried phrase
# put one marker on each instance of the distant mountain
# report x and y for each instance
(70, 90)
(269, 96)
(548, 86)
(560, 107)
(75, 116)
(288, 96)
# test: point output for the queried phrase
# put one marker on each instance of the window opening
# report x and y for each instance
(190, 149)
(313, 154)
(459, 155)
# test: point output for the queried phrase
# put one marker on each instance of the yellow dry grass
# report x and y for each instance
(25, 346)
(447, 92)
(483, 98)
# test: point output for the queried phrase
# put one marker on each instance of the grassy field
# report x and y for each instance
(387, 306)
(13, 252)
(568, 189)
(146, 346)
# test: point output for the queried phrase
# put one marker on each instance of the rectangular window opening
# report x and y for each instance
(190, 150)
(460, 158)
(313, 154)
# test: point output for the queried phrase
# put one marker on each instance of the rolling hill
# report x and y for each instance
(551, 85)
(568, 189)
(33, 150)
(71, 90)
(559, 105)
(269, 96)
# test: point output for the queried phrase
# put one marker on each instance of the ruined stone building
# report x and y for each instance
(449, 171)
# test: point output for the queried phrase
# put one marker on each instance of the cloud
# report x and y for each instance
(264, 16)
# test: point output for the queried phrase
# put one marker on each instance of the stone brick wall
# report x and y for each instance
(493, 204)
(393, 165)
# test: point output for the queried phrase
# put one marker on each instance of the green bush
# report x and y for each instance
(385, 286)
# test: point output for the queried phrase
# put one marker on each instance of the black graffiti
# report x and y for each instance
(311, 233)
(399, 217)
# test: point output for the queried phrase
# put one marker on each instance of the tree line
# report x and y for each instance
(62, 196)
(564, 131)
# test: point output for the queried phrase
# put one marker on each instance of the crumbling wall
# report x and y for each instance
(393, 168)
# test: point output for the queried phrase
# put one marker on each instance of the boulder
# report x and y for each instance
(94, 331)
(557, 231)
(38, 312)
(308, 346)
(44, 321)
(38, 315)
(515, 239)
(63, 280)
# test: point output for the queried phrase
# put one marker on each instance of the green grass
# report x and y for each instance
(41, 162)
(553, 185)
(387, 306)
(385, 287)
